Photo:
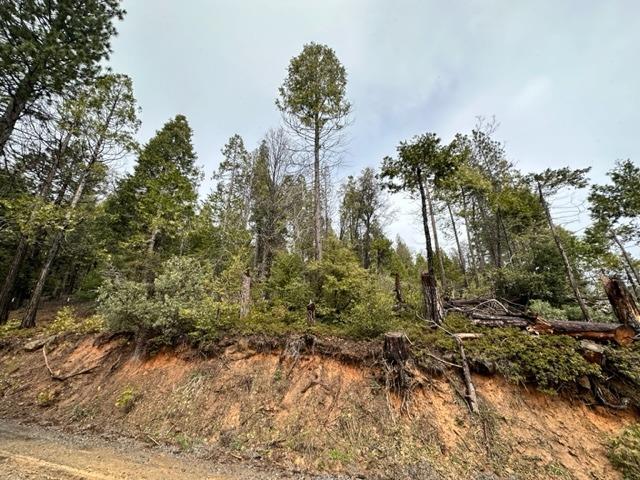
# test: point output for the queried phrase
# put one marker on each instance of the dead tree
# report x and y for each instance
(624, 307)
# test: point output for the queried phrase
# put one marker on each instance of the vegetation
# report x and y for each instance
(624, 452)
(264, 251)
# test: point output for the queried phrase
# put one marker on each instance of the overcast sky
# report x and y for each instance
(561, 77)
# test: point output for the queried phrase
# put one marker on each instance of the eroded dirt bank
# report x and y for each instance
(306, 411)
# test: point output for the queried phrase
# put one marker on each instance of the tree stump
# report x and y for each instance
(311, 312)
(396, 348)
(623, 304)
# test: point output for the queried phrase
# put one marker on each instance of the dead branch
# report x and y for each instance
(62, 378)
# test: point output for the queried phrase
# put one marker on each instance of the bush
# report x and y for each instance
(180, 293)
(66, 321)
(624, 452)
(127, 399)
(545, 310)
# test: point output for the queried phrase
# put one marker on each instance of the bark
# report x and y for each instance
(15, 108)
(623, 305)
(443, 278)
(434, 311)
(317, 212)
(460, 255)
(245, 295)
(565, 259)
(396, 350)
(471, 396)
(398, 290)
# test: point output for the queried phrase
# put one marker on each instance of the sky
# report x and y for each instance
(562, 78)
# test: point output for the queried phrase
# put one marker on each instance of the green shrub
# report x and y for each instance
(127, 399)
(545, 310)
(45, 398)
(624, 452)
(180, 293)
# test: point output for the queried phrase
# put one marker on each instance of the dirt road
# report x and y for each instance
(30, 453)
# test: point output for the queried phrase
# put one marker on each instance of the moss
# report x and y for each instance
(549, 361)
(624, 452)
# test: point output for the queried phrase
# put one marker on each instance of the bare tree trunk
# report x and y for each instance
(398, 290)
(467, 227)
(430, 288)
(245, 294)
(634, 286)
(317, 211)
(627, 258)
(565, 259)
(439, 253)
(460, 255)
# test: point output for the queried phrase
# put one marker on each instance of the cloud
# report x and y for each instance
(560, 76)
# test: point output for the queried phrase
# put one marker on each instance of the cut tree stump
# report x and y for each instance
(311, 312)
(624, 306)
(396, 348)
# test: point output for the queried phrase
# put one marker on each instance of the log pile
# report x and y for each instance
(489, 312)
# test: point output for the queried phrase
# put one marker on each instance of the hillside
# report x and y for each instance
(305, 404)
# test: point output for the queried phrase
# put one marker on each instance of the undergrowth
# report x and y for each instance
(624, 452)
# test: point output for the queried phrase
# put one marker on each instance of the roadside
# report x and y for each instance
(32, 452)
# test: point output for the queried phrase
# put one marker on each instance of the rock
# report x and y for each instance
(38, 343)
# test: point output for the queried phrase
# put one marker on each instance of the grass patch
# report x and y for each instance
(624, 452)
(127, 399)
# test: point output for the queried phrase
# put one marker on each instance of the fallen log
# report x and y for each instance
(622, 334)
(471, 396)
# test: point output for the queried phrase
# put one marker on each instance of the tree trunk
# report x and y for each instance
(29, 319)
(623, 334)
(433, 309)
(624, 307)
(12, 113)
(627, 258)
(565, 259)
(396, 350)
(432, 305)
(467, 227)
(21, 249)
(398, 290)
(317, 211)
(443, 278)
(10, 279)
(634, 286)
(460, 255)
(245, 294)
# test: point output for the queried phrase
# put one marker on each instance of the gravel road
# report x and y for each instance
(31, 452)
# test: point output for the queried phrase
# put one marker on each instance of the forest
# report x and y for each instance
(276, 241)
(278, 246)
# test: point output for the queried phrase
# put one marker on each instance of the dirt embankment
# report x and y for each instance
(306, 408)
